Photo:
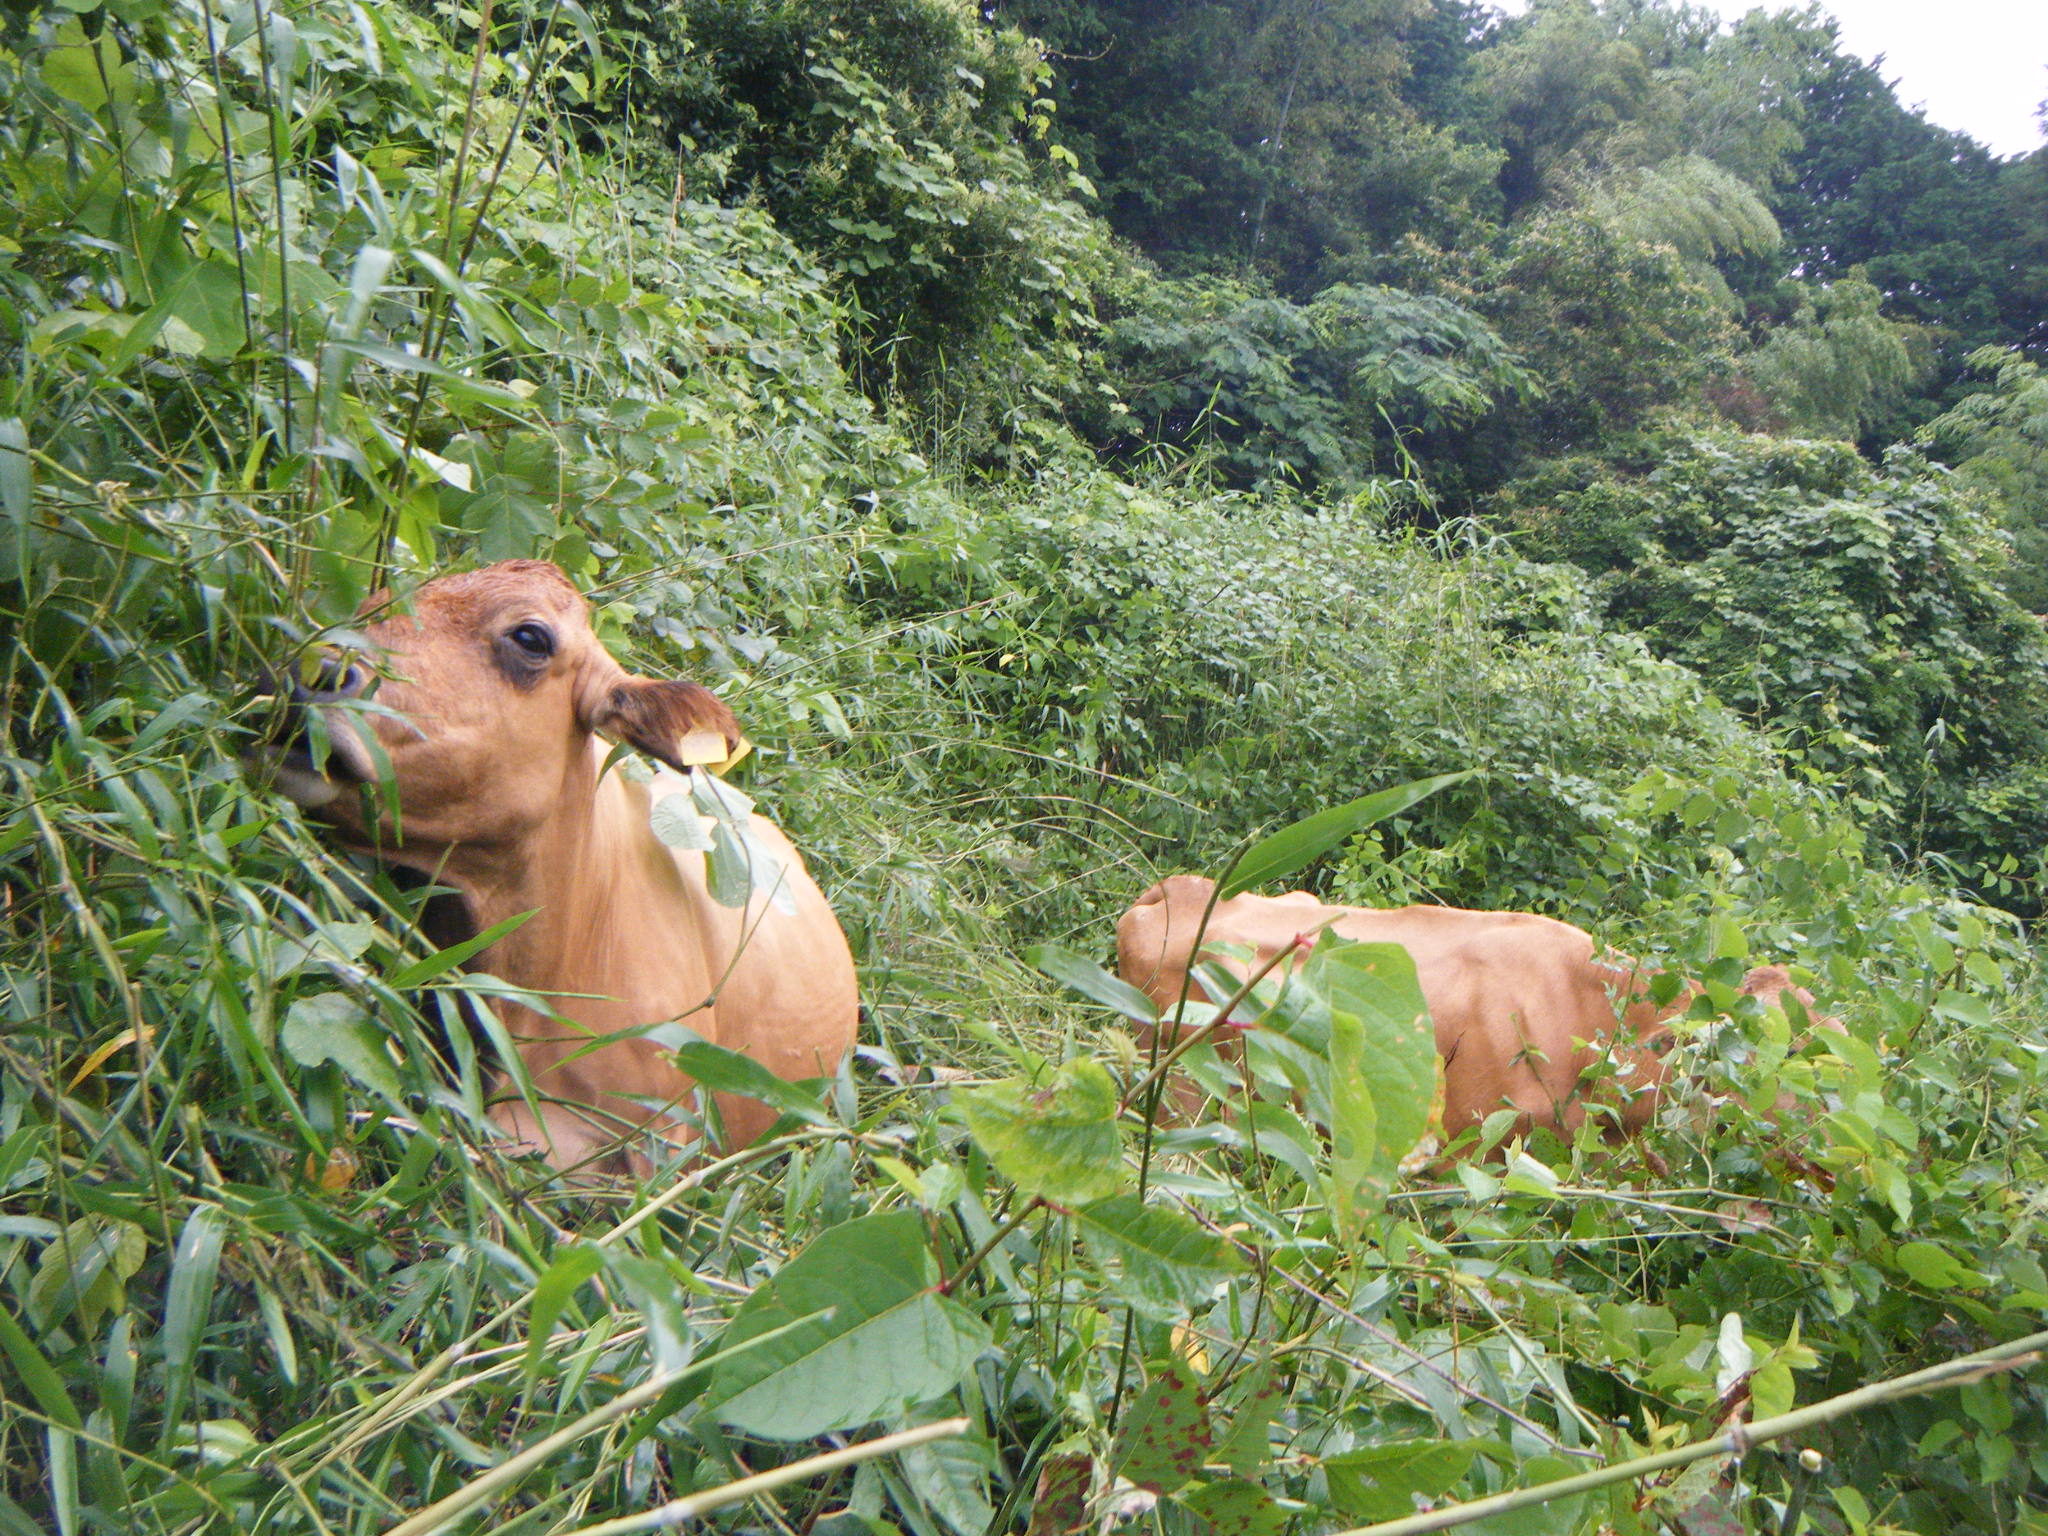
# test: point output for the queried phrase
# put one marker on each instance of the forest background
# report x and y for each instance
(1077, 439)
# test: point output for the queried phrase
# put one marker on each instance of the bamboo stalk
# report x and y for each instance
(1735, 1442)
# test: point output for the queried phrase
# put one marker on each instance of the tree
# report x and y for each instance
(1854, 608)
(1997, 439)
(1838, 367)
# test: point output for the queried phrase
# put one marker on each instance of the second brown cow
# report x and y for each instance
(1523, 1005)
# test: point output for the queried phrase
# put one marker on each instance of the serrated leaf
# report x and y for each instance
(867, 1334)
(1293, 846)
(1092, 981)
(332, 1026)
(1163, 1260)
(1058, 1139)
(1384, 1482)
(1164, 1437)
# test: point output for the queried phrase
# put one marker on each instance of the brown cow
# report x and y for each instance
(1522, 1004)
(495, 693)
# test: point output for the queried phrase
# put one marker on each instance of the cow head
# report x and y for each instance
(480, 697)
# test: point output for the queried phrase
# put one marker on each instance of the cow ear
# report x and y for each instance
(683, 724)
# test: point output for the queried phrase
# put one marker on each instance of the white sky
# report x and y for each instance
(1977, 65)
(1980, 66)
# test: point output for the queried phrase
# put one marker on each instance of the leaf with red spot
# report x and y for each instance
(1164, 1438)
(1061, 1506)
(1235, 1507)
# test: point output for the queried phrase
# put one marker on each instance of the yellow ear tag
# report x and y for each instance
(707, 749)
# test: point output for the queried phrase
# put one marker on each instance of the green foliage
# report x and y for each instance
(909, 152)
(1836, 369)
(1856, 608)
(1270, 138)
(1276, 393)
(1997, 439)
(1614, 327)
(299, 300)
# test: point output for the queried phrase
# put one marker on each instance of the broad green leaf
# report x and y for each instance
(83, 1271)
(332, 1026)
(1383, 1067)
(1355, 1178)
(1383, 1481)
(1164, 1262)
(1246, 1447)
(1092, 981)
(17, 477)
(1164, 1437)
(679, 824)
(446, 960)
(868, 1333)
(1058, 1139)
(1293, 846)
(951, 1476)
(1933, 1266)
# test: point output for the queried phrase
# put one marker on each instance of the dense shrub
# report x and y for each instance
(1856, 607)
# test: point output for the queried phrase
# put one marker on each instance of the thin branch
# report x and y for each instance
(1737, 1441)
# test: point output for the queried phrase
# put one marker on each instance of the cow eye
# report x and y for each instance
(536, 640)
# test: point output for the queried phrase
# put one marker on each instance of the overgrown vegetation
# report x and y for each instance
(692, 302)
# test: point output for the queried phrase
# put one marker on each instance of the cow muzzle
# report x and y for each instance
(317, 743)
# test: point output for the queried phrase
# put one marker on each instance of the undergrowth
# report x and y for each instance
(304, 300)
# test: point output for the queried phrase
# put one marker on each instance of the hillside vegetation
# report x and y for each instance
(1082, 443)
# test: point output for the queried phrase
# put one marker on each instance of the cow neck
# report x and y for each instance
(609, 918)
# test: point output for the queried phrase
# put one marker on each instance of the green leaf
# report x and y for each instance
(1059, 1140)
(188, 1300)
(17, 476)
(1383, 1069)
(1092, 981)
(1165, 1262)
(1234, 1507)
(446, 960)
(1383, 1482)
(36, 1372)
(83, 1271)
(1060, 1506)
(727, 1071)
(1933, 1266)
(867, 1334)
(1293, 846)
(951, 1476)
(574, 1263)
(1246, 1447)
(332, 1026)
(1164, 1437)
